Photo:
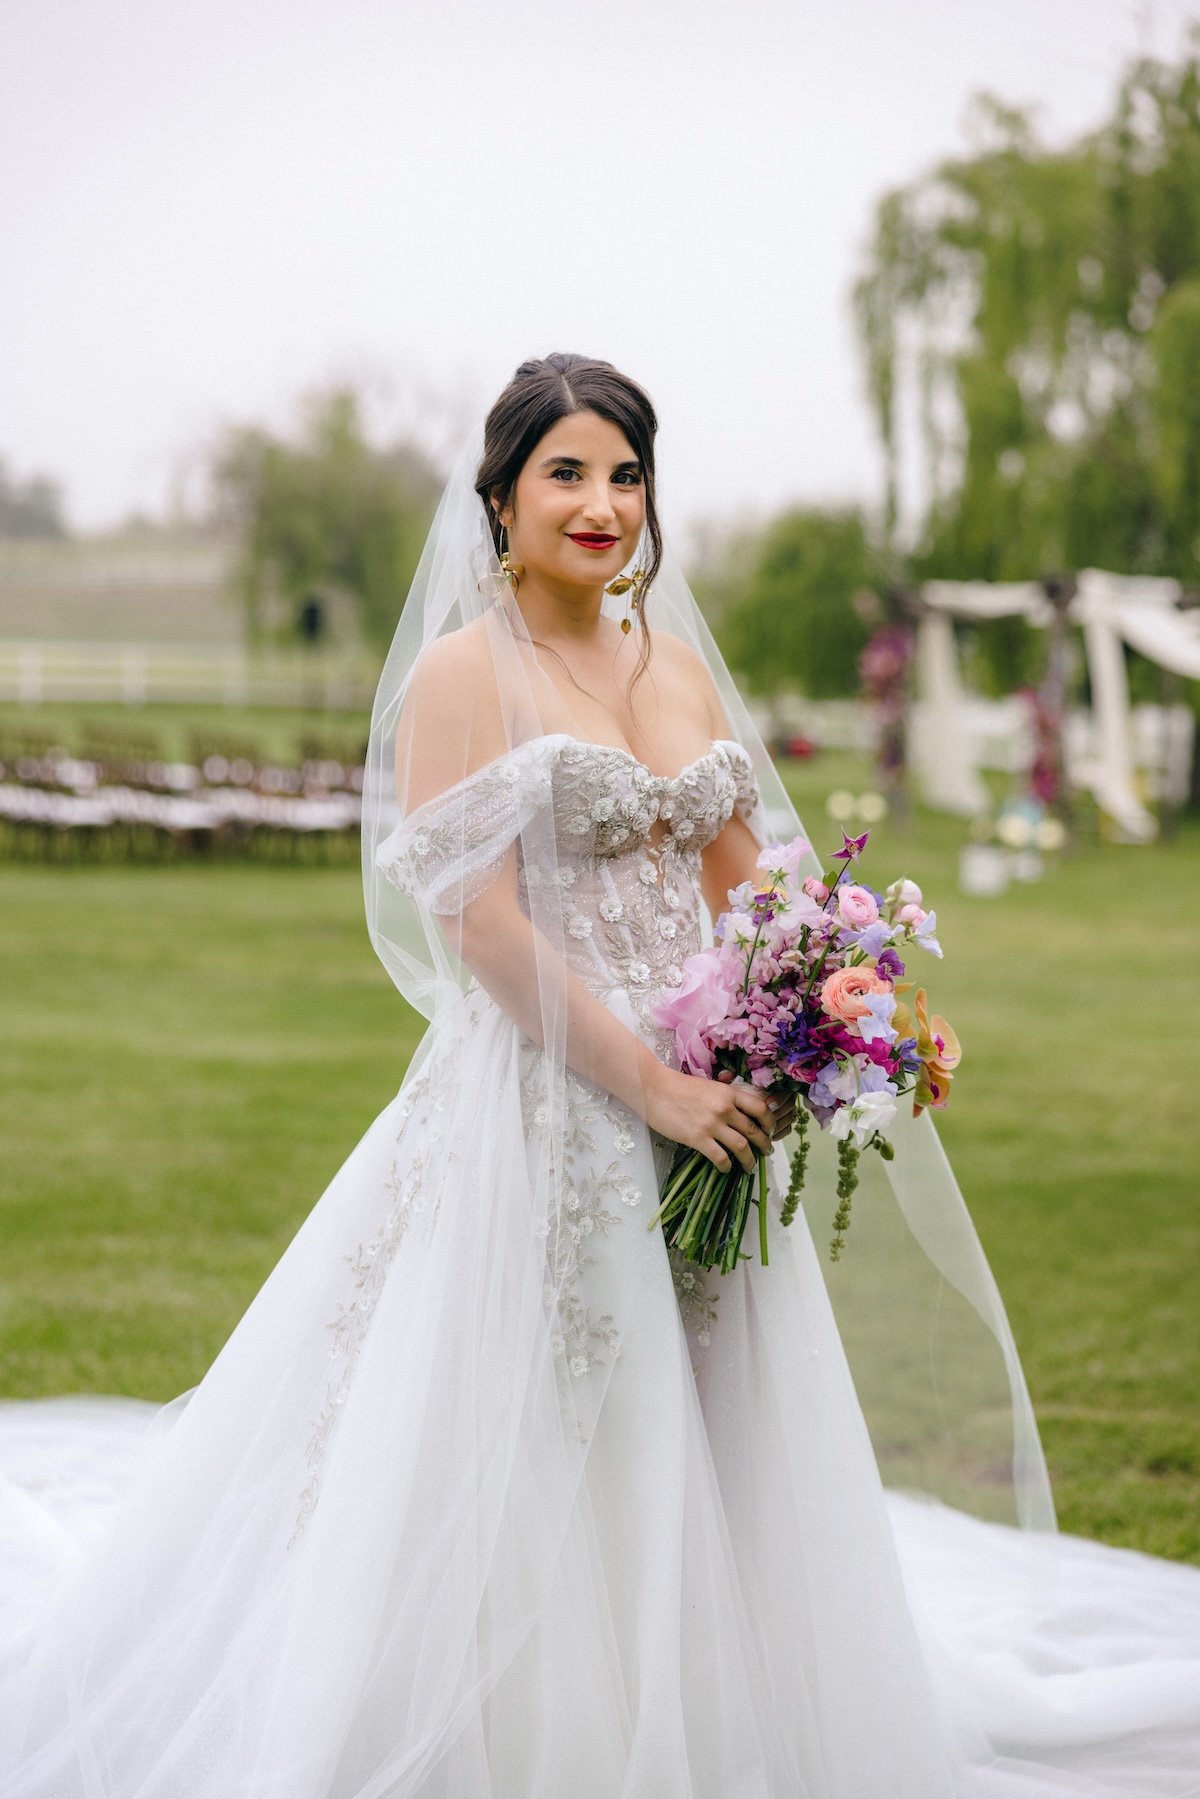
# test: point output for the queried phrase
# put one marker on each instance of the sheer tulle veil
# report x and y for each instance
(476, 1499)
(449, 1489)
(925, 1330)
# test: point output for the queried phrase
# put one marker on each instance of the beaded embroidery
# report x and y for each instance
(630, 915)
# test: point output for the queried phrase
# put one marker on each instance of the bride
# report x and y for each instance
(490, 1495)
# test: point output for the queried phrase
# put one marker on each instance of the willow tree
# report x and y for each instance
(1036, 313)
(325, 513)
(798, 619)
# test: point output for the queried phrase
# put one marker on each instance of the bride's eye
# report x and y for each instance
(633, 475)
(555, 473)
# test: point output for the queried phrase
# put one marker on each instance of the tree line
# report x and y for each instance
(1037, 309)
(1040, 307)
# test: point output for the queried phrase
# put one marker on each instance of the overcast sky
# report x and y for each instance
(207, 206)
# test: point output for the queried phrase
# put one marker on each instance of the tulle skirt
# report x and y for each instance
(489, 1496)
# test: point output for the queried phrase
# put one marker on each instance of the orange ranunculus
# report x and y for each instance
(844, 992)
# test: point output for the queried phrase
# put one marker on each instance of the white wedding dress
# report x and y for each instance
(490, 1496)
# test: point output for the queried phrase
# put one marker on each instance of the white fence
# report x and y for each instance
(35, 674)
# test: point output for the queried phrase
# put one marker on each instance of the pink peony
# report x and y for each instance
(816, 890)
(710, 981)
(911, 915)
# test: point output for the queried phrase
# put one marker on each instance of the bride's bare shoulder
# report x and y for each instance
(454, 666)
(677, 653)
(688, 672)
(452, 701)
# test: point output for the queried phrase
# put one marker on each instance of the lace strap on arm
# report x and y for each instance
(448, 851)
(747, 802)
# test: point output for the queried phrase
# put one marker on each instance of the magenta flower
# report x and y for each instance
(852, 848)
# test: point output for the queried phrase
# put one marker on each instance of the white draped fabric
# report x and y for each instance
(941, 746)
(1114, 610)
(1111, 611)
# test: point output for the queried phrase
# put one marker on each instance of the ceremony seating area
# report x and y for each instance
(118, 798)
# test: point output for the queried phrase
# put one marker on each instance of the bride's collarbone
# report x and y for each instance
(662, 755)
(676, 738)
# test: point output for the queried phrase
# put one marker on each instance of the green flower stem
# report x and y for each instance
(762, 1210)
(723, 1222)
(704, 1211)
(693, 1220)
(710, 1240)
(683, 1234)
(678, 1187)
(733, 1239)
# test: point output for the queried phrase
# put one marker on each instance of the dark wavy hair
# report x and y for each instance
(544, 390)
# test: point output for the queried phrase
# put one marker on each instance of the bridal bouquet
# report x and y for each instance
(800, 995)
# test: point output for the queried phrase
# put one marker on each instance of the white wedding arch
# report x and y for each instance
(952, 733)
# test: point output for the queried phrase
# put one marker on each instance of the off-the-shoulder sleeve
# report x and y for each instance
(746, 794)
(448, 851)
(747, 800)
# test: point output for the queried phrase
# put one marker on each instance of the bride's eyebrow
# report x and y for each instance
(578, 462)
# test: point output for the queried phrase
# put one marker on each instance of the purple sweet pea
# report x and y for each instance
(889, 965)
(907, 1054)
(877, 1024)
(872, 938)
(836, 1083)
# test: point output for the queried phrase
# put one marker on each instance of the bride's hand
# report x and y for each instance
(783, 1111)
(722, 1120)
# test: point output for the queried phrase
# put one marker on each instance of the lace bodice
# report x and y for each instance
(629, 844)
(623, 855)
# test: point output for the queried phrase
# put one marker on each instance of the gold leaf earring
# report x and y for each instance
(623, 584)
(512, 571)
(635, 584)
(495, 585)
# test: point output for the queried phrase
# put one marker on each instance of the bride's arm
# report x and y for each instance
(453, 727)
(732, 856)
(730, 859)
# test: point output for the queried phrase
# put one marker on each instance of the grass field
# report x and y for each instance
(190, 1052)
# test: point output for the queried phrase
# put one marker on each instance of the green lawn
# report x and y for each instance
(190, 1052)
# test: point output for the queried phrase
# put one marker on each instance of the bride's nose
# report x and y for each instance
(598, 508)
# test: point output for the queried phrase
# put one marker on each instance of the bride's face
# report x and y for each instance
(583, 479)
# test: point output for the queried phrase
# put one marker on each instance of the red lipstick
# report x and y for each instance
(591, 540)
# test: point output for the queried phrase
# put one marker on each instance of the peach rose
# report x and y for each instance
(844, 992)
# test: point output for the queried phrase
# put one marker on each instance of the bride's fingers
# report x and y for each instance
(746, 1126)
(753, 1117)
(783, 1117)
(732, 1139)
(717, 1155)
